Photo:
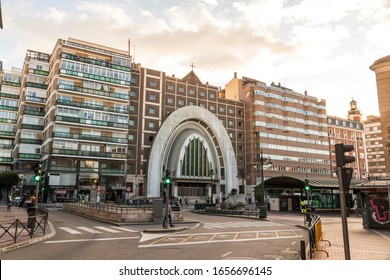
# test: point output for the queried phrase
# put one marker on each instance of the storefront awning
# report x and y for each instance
(297, 183)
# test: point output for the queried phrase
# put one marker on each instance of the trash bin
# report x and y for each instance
(31, 212)
(263, 211)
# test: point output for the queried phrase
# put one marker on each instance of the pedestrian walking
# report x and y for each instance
(168, 216)
(9, 203)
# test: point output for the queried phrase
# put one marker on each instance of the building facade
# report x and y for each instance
(374, 148)
(10, 85)
(286, 132)
(349, 131)
(381, 67)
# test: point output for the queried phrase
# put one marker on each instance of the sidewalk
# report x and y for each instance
(24, 239)
(364, 244)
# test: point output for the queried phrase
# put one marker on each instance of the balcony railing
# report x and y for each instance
(92, 106)
(89, 137)
(89, 153)
(36, 85)
(95, 62)
(94, 92)
(9, 95)
(8, 108)
(33, 113)
(29, 156)
(6, 159)
(32, 126)
(3, 120)
(31, 141)
(91, 122)
(94, 77)
(35, 99)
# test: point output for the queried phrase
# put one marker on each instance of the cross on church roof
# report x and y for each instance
(192, 66)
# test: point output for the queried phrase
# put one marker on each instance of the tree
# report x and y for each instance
(8, 180)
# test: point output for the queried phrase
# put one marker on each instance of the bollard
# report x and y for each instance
(303, 250)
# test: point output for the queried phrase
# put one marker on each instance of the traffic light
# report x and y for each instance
(37, 172)
(341, 158)
(167, 179)
(307, 185)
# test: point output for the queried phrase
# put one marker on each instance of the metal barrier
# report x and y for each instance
(248, 212)
(315, 233)
(15, 228)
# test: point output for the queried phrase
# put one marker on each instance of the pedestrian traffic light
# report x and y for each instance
(37, 172)
(341, 158)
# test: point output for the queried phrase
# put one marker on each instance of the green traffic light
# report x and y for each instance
(307, 188)
(37, 178)
(167, 180)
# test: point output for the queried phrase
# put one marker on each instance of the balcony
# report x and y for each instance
(9, 95)
(6, 160)
(33, 113)
(8, 133)
(3, 120)
(124, 111)
(95, 62)
(91, 122)
(94, 92)
(89, 154)
(8, 108)
(36, 85)
(29, 156)
(12, 84)
(32, 126)
(89, 137)
(94, 77)
(35, 99)
(31, 141)
(38, 72)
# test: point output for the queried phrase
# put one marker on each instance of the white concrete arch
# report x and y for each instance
(184, 124)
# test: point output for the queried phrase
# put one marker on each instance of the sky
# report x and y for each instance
(324, 47)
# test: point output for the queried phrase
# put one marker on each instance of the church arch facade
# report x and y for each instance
(195, 147)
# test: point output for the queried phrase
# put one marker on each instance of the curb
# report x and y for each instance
(29, 241)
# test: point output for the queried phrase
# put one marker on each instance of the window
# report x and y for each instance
(170, 87)
(152, 110)
(152, 97)
(152, 83)
(151, 125)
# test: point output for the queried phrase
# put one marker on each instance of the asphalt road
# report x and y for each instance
(214, 238)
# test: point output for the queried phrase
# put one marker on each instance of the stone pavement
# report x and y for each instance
(365, 244)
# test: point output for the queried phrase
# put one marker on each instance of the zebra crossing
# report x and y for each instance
(97, 229)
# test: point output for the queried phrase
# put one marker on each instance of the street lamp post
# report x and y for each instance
(263, 199)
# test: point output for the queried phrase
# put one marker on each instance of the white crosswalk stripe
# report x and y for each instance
(91, 230)
(125, 229)
(69, 230)
(108, 229)
(97, 229)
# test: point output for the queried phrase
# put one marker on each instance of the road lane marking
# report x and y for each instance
(186, 239)
(90, 239)
(227, 254)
